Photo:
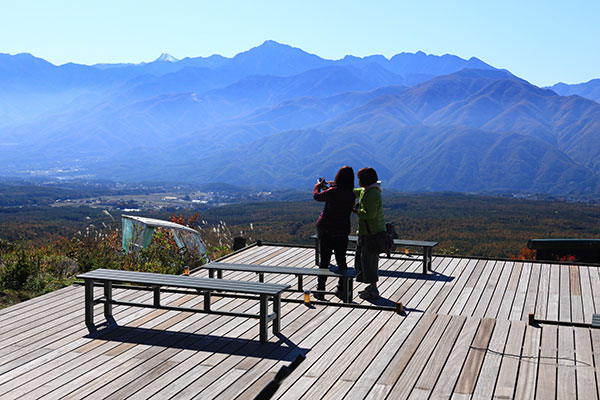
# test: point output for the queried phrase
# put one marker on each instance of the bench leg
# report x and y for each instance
(429, 258)
(207, 300)
(263, 318)
(89, 305)
(345, 290)
(424, 260)
(261, 277)
(350, 289)
(211, 273)
(300, 284)
(156, 290)
(108, 297)
(277, 312)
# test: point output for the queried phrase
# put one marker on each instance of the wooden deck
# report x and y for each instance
(465, 335)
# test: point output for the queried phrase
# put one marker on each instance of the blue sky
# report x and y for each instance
(542, 41)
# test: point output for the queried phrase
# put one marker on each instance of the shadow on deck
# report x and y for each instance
(432, 276)
(283, 349)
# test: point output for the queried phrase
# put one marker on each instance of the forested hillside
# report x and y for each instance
(42, 247)
(463, 224)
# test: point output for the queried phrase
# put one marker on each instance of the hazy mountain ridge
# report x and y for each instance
(520, 144)
(589, 89)
(276, 115)
(209, 102)
(410, 158)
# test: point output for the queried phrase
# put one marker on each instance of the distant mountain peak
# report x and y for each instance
(271, 43)
(272, 58)
(166, 57)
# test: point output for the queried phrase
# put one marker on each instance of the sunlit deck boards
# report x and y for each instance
(465, 336)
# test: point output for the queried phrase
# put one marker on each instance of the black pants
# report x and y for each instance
(329, 244)
(366, 262)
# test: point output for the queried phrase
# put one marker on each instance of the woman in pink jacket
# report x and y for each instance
(333, 225)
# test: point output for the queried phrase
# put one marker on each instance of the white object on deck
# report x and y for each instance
(138, 232)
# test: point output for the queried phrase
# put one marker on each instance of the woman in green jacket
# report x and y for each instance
(370, 222)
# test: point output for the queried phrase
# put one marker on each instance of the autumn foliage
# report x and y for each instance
(27, 271)
(525, 254)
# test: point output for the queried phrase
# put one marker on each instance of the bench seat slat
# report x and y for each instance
(346, 276)
(426, 254)
(267, 292)
(146, 278)
(402, 242)
(277, 269)
(397, 242)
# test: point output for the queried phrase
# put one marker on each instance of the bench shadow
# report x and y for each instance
(382, 301)
(432, 276)
(279, 347)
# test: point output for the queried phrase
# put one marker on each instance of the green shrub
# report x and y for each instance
(6, 246)
(28, 271)
(16, 270)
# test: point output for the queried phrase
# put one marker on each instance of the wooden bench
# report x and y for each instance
(264, 291)
(426, 253)
(346, 276)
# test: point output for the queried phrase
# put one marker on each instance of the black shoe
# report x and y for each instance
(369, 293)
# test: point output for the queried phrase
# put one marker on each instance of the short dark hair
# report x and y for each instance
(344, 179)
(367, 176)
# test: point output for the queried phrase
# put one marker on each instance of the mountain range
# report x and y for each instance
(590, 89)
(278, 116)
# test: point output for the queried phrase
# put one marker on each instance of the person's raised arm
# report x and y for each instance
(321, 192)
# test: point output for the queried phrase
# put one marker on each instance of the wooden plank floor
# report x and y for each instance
(464, 335)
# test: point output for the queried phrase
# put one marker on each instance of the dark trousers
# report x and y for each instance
(366, 262)
(329, 244)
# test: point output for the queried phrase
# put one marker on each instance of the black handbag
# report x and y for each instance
(383, 242)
